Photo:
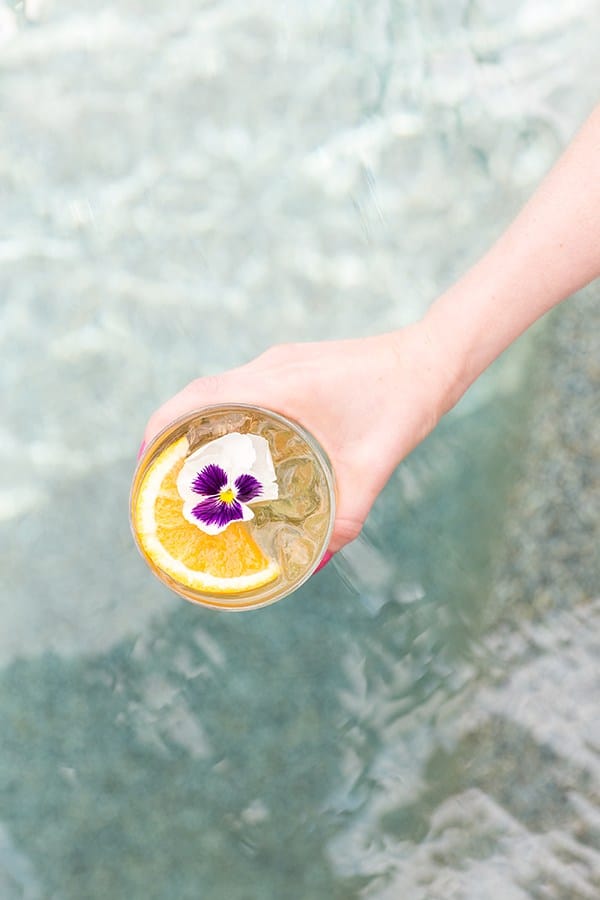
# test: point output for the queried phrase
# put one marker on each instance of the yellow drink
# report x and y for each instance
(233, 506)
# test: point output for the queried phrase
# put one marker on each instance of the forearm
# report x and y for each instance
(551, 250)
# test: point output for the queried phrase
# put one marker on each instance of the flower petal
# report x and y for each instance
(248, 487)
(209, 480)
(236, 455)
(213, 511)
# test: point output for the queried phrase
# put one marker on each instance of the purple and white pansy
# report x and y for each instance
(219, 480)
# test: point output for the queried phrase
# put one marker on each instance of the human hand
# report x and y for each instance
(368, 402)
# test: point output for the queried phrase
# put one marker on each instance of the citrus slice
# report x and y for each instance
(227, 563)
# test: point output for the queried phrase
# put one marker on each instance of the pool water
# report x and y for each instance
(183, 185)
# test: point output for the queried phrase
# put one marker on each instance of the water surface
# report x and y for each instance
(183, 185)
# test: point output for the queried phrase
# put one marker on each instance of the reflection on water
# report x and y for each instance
(181, 186)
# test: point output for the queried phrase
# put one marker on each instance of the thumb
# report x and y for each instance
(207, 391)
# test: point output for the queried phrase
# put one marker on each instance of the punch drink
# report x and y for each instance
(233, 506)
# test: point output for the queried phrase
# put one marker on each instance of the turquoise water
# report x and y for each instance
(182, 185)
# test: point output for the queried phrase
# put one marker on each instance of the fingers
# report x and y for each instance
(326, 558)
(352, 508)
(344, 531)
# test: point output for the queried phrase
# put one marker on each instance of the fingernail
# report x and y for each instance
(141, 450)
(328, 556)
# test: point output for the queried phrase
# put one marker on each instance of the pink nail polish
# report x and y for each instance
(141, 450)
(326, 558)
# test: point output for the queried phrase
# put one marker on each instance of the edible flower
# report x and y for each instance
(219, 480)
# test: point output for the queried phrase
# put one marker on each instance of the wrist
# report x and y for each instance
(448, 345)
(476, 319)
(424, 364)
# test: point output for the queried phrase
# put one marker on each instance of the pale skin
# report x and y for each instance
(370, 401)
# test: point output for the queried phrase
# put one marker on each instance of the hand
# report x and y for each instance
(367, 401)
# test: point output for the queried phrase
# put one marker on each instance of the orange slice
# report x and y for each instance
(227, 563)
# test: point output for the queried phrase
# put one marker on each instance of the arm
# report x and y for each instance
(371, 401)
(550, 251)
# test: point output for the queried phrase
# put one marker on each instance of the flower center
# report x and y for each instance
(227, 496)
